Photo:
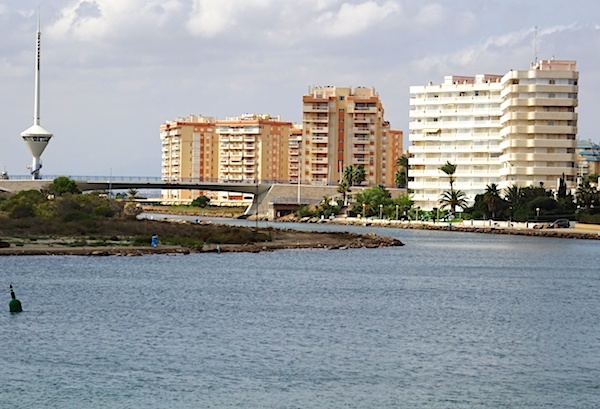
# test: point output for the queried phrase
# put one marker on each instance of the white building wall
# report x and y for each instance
(457, 122)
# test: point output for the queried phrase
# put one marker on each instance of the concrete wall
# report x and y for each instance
(15, 186)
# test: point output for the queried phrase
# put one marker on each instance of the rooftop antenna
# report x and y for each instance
(35, 136)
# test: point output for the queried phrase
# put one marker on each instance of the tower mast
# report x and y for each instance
(36, 137)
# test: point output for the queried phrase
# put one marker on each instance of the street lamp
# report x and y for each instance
(396, 212)
(380, 210)
(364, 205)
(537, 210)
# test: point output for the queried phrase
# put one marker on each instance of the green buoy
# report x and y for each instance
(14, 304)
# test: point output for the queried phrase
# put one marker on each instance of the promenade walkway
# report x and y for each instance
(577, 230)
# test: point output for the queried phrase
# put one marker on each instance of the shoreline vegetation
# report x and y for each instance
(62, 221)
(128, 236)
(248, 240)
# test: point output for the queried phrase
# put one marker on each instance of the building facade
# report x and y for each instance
(345, 127)
(539, 125)
(244, 149)
(189, 154)
(517, 129)
(457, 122)
(588, 161)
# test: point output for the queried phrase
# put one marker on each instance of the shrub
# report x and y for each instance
(200, 201)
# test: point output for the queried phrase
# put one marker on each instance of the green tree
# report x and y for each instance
(348, 175)
(453, 199)
(132, 193)
(404, 203)
(402, 173)
(371, 198)
(587, 196)
(63, 185)
(343, 189)
(449, 169)
(200, 201)
(359, 175)
(24, 204)
(492, 199)
(400, 178)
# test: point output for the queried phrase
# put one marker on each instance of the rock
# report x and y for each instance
(4, 244)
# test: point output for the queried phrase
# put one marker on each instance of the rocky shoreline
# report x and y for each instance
(282, 239)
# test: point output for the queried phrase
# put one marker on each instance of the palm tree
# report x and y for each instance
(492, 199)
(514, 196)
(348, 175)
(402, 163)
(132, 193)
(449, 169)
(453, 199)
(343, 188)
(400, 178)
(370, 199)
(587, 195)
(358, 175)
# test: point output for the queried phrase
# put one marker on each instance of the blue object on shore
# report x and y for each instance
(154, 241)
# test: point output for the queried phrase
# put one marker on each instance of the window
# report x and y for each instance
(341, 98)
(551, 82)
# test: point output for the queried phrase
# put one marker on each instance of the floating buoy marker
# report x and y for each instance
(14, 304)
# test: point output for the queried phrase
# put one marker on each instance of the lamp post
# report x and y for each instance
(380, 210)
(364, 205)
(396, 212)
(537, 210)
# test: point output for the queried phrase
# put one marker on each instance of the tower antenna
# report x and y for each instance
(36, 137)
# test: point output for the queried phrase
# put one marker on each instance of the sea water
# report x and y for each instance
(450, 320)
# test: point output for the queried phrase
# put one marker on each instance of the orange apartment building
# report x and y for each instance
(190, 149)
(346, 127)
(249, 148)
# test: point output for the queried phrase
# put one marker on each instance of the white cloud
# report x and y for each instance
(352, 19)
(210, 17)
(428, 16)
(92, 20)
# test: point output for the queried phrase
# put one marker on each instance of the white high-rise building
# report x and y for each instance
(517, 129)
(457, 122)
(539, 125)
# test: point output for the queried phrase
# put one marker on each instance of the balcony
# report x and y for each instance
(318, 160)
(373, 110)
(315, 108)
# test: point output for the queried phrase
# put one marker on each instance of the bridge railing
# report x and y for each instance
(158, 179)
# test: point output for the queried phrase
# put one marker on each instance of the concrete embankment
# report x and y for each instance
(577, 231)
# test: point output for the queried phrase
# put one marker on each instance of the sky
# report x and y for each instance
(113, 71)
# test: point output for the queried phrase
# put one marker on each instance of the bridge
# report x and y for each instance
(107, 183)
(270, 196)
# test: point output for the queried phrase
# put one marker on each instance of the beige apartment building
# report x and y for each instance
(539, 125)
(344, 126)
(517, 129)
(295, 152)
(244, 149)
(190, 153)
